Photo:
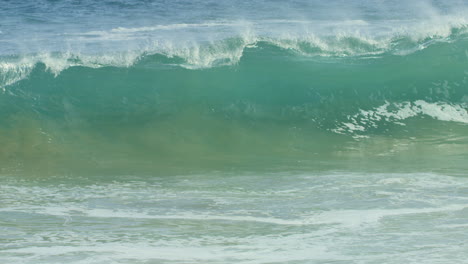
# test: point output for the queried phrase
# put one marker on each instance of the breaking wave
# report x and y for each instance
(211, 103)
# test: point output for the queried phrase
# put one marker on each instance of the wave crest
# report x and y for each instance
(214, 53)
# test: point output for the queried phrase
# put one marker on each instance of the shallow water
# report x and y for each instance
(223, 218)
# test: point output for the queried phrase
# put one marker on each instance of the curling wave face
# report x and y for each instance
(204, 94)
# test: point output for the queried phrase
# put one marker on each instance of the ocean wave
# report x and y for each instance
(208, 54)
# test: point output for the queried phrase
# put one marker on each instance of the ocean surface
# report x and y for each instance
(257, 131)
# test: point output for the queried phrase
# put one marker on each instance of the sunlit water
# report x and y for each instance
(233, 132)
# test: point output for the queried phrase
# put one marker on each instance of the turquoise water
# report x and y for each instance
(245, 131)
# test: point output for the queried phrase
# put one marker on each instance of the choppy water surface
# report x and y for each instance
(215, 218)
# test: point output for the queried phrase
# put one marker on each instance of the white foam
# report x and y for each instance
(346, 218)
(11, 73)
(104, 253)
(320, 217)
(15, 70)
(212, 44)
(106, 213)
(355, 218)
(397, 112)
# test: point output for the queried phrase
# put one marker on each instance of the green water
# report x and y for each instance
(273, 108)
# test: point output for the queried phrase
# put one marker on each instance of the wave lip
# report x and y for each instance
(196, 54)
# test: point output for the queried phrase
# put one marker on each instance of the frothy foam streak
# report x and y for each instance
(398, 112)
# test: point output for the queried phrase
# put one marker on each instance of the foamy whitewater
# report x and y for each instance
(233, 131)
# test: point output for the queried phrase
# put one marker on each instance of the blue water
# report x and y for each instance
(233, 131)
